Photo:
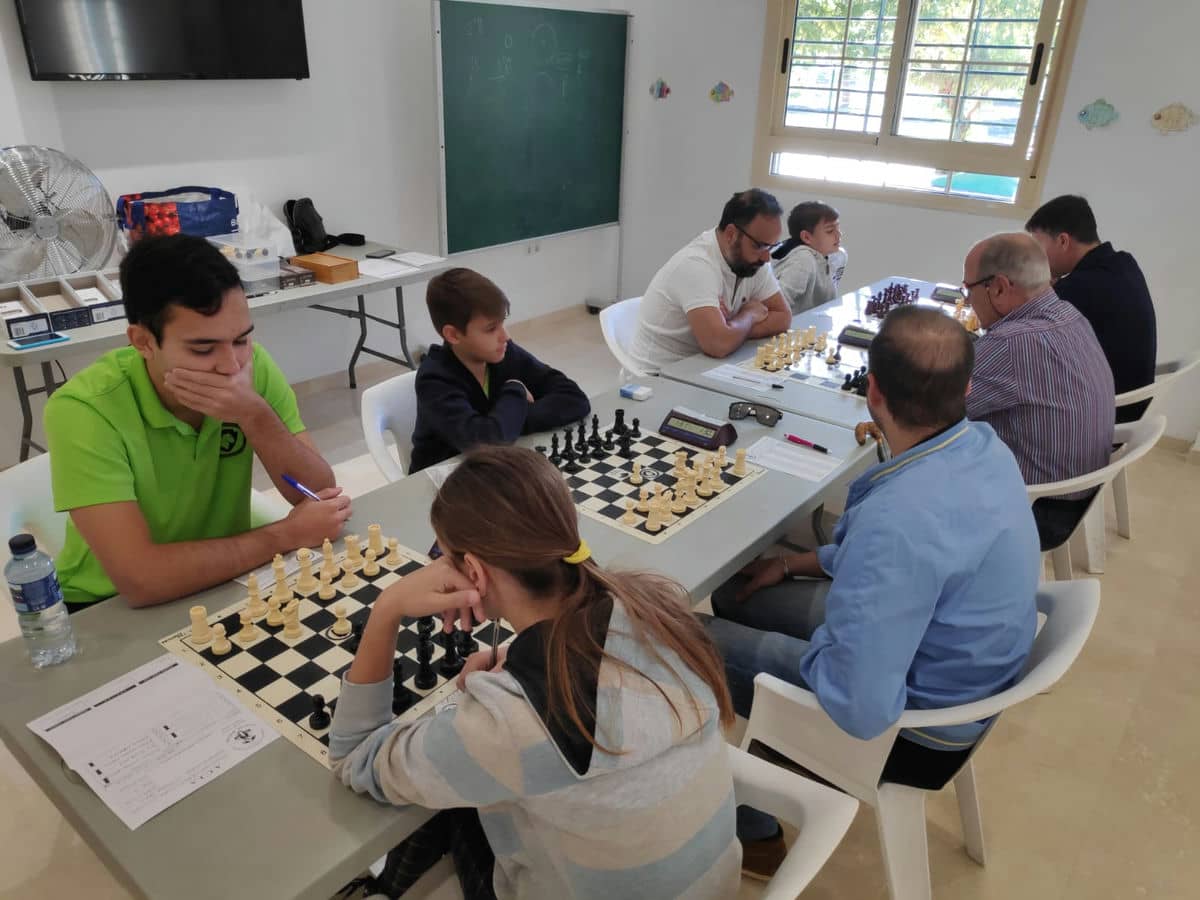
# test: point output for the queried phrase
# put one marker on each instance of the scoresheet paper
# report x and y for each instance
(792, 459)
(146, 740)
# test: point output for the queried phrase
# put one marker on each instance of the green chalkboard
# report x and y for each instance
(532, 107)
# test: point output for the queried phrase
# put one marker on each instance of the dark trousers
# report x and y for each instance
(454, 831)
(1057, 519)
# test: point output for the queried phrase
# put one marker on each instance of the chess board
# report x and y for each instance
(812, 369)
(276, 677)
(601, 486)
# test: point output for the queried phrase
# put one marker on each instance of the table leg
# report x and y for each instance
(26, 413)
(48, 382)
(400, 325)
(362, 338)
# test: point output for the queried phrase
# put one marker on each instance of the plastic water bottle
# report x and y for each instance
(45, 623)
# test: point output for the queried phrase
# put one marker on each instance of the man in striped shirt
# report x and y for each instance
(1040, 380)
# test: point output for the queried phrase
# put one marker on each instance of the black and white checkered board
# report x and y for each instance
(812, 369)
(601, 486)
(275, 677)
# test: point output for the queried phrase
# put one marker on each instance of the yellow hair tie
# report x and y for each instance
(583, 554)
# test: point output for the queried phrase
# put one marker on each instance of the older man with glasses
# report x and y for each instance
(1041, 378)
(718, 291)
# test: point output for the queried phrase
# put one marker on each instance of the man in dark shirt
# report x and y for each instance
(1104, 284)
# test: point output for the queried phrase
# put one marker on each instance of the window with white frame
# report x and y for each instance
(922, 97)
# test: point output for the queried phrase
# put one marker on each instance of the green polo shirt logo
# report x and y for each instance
(111, 440)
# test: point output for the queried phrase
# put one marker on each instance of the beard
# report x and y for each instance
(745, 269)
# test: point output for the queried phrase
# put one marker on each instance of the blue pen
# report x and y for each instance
(301, 488)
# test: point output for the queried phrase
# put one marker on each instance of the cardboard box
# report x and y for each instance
(20, 312)
(327, 268)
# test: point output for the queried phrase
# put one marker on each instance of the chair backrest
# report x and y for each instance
(1165, 376)
(27, 504)
(619, 323)
(822, 815)
(1136, 440)
(391, 407)
(1070, 608)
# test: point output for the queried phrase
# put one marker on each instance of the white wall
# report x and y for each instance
(359, 138)
(691, 155)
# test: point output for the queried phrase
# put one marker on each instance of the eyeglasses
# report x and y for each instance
(764, 415)
(758, 245)
(967, 287)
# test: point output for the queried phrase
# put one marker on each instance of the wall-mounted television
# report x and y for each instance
(124, 40)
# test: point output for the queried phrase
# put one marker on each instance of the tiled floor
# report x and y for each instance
(1089, 792)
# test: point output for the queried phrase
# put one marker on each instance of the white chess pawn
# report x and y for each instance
(722, 459)
(349, 580)
(703, 488)
(739, 463)
(326, 592)
(393, 557)
(715, 482)
(643, 505)
(635, 477)
(630, 517)
(370, 567)
(306, 583)
(249, 631)
(220, 644)
(678, 504)
(342, 626)
(201, 632)
(254, 600)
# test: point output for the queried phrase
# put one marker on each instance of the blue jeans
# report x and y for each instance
(766, 632)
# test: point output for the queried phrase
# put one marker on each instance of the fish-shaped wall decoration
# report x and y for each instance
(1175, 117)
(1097, 114)
(721, 93)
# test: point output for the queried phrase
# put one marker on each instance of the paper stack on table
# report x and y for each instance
(384, 268)
(746, 378)
(146, 740)
(792, 459)
(412, 258)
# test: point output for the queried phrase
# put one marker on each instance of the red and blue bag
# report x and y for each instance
(202, 211)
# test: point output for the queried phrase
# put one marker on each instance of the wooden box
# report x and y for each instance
(327, 268)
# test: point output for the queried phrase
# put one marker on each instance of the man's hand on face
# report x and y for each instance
(227, 398)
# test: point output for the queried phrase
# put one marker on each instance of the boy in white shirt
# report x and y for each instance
(718, 291)
(809, 266)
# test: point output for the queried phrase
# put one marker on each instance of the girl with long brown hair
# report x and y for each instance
(592, 751)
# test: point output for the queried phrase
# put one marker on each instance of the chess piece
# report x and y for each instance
(375, 539)
(351, 643)
(595, 440)
(654, 522)
(581, 439)
(220, 643)
(291, 621)
(249, 631)
(624, 441)
(370, 567)
(585, 455)
(282, 590)
(635, 432)
(326, 592)
(831, 359)
(327, 564)
(425, 678)
(201, 632)
(402, 697)
(570, 466)
(619, 426)
(644, 499)
(349, 581)
(739, 464)
(722, 458)
(305, 584)
(452, 663)
(760, 356)
(320, 719)
(393, 558)
(703, 485)
(716, 482)
(254, 602)
(635, 476)
(274, 612)
(353, 561)
(555, 456)
(680, 463)
(691, 498)
(340, 628)
(630, 517)
(466, 643)
(679, 504)
(608, 444)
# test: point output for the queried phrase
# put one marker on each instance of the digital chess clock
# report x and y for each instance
(690, 427)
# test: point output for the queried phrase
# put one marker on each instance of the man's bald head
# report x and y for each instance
(1002, 273)
(922, 361)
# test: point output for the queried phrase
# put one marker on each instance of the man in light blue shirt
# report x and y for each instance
(933, 568)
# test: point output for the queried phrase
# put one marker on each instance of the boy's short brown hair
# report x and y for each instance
(458, 295)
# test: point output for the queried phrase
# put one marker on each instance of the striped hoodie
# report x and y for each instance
(565, 819)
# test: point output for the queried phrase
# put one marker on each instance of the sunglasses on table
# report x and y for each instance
(761, 413)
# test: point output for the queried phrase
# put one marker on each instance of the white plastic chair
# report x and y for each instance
(619, 323)
(822, 815)
(789, 720)
(1136, 440)
(1166, 376)
(391, 407)
(27, 504)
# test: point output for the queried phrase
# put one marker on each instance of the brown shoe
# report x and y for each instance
(762, 859)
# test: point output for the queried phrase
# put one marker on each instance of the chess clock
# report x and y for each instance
(856, 336)
(690, 427)
(946, 293)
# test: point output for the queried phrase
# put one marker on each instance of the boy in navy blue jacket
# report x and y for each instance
(479, 387)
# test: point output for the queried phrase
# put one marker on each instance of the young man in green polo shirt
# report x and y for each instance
(152, 446)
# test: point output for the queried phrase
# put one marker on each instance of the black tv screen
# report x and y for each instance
(119, 40)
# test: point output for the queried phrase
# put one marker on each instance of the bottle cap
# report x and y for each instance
(20, 544)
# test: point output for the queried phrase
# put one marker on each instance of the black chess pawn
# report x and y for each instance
(608, 444)
(619, 426)
(555, 456)
(635, 431)
(585, 455)
(319, 720)
(466, 644)
(402, 698)
(846, 385)
(568, 460)
(452, 663)
(352, 642)
(626, 450)
(425, 677)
